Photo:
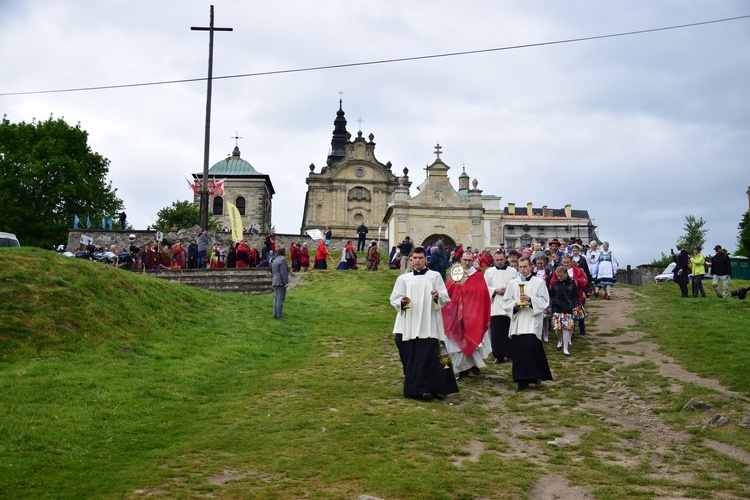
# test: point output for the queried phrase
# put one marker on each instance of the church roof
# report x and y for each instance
(551, 212)
(232, 165)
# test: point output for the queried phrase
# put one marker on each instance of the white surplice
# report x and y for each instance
(528, 319)
(423, 318)
(498, 278)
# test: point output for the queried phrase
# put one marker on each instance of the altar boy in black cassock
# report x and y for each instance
(418, 297)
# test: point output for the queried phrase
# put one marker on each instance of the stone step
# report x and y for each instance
(252, 281)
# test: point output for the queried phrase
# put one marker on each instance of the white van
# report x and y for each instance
(8, 240)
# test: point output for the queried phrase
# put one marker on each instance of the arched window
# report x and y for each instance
(218, 206)
(240, 203)
(359, 193)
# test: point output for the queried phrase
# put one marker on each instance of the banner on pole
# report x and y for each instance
(235, 220)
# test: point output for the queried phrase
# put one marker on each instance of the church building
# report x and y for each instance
(249, 190)
(353, 188)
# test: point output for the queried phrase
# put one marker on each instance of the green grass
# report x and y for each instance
(117, 384)
(707, 336)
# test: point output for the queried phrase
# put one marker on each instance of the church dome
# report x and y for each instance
(232, 165)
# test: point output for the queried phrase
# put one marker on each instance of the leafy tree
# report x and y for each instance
(182, 214)
(663, 261)
(48, 174)
(695, 235)
(743, 239)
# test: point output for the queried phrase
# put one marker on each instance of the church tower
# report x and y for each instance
(353, 188)
(340, 136)
(249, 190)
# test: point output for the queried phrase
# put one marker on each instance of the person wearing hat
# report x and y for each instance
(721, 267)
(681, 271)
(554, 245)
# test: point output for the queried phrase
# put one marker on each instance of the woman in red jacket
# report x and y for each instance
(304, 258)
(321, 256)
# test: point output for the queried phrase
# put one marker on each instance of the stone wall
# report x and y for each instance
(120, 239)
(641, 275)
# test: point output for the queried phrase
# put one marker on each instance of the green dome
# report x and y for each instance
(233, 165)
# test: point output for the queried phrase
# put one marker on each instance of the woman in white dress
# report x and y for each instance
(606, 272)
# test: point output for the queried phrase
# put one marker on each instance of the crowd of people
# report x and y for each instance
(464, 305)
(199, 253)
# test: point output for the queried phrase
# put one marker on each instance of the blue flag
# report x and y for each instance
(104, 223)
(88, 222)
(76, 220)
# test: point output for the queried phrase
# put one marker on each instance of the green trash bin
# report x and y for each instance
(740, 267)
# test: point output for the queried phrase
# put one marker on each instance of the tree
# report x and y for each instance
(48, 174)
(663, 261)
(182, 214)
(743, 239)
(695, 235)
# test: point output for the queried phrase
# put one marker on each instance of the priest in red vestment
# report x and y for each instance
(466, 318)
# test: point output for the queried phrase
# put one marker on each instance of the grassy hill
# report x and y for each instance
(116, 384)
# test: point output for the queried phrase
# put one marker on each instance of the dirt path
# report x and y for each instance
(643, 439)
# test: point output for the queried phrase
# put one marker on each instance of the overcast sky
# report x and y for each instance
(639, 130)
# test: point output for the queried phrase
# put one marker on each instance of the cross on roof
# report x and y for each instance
(361, 121)
(236, 138)
(341, 94)
(438, 150)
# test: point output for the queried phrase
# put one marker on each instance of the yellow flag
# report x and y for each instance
(235, 221)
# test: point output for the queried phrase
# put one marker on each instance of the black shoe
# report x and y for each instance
(475, 370)
(427, 396)
(522, 387)
(582, 334)
(498, 361)
(538, 381)
(462, 375)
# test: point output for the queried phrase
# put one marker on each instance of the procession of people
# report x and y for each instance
(499, 306)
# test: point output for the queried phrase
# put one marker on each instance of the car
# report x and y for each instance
(668, 274)
(8, 240)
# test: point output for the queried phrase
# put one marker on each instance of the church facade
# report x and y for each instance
(353, 188)
(249, 190)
